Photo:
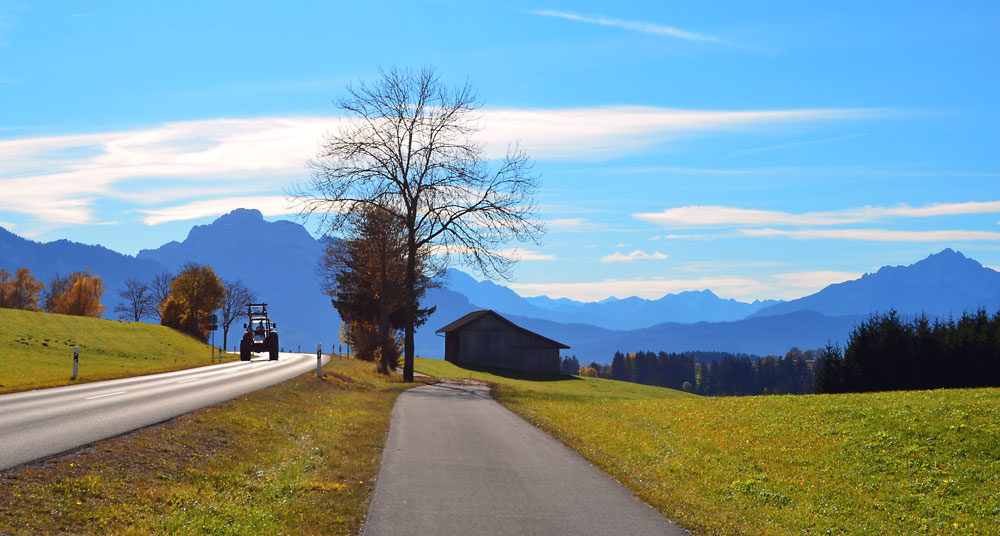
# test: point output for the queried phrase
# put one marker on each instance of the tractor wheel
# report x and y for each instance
(274, 347)
(244, 350)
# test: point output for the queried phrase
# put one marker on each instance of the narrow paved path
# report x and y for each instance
(45, 422)
(458, 463)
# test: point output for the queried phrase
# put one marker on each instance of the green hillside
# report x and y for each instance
(911, 462)
(36, 349)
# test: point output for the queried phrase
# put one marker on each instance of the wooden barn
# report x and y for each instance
(487, 339)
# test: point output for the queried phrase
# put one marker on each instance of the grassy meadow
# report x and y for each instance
(916, 462)
(36, 349)
(296, 458)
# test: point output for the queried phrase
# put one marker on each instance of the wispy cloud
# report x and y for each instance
(571, 225)
(520, 254)
(601, 133)
(268, 205)
(635, 26)
(634, 256)
(643, 288)
(786, 285)
(58, 179)
(875, 235)
(814, 280)
(781, 146)
(720, 216)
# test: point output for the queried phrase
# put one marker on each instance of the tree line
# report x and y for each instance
(886, 353)
(707, 373)
(78, 293)
(184, 301)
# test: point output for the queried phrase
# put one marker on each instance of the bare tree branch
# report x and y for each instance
(407, 150)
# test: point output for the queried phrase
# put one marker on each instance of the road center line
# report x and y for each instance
(105, 394)
(188, 380)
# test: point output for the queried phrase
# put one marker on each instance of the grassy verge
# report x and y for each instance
(919, 462)
(36, 349)
(296, 458)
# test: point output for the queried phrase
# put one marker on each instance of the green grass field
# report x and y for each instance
(920, 462)
(296, 458)
(36, 349)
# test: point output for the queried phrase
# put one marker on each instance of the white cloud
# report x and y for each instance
(606, 132)
(694, 236)
(875, 235)
(643, 288)
(634, 256)
(787, 286)
(571, 225)
(268, 205)
(814, 281)
(635, 26)
(519, 254)
(57, 179)
(711, 216)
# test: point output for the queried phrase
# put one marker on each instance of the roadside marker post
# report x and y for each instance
(76, 360)
(319, 360)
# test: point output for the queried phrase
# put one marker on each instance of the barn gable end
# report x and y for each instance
(485, 338)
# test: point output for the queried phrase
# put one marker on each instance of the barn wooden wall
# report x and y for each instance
(490, 342)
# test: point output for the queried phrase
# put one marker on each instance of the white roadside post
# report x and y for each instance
(319, 360)
(76, 360)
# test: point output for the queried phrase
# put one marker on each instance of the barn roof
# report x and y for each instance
(476, 315)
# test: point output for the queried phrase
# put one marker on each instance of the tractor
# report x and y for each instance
(261, 334)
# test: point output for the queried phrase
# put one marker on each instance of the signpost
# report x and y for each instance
(213, 320)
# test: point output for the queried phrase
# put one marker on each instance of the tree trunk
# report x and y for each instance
(411, 306)
(383, 310)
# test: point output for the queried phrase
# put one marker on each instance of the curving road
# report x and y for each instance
(458, 463)
(39, 424)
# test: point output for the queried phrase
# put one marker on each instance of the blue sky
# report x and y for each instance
(762, 150)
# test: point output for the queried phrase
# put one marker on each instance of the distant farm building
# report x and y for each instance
(485, 338)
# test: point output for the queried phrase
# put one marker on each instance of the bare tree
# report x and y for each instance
(160, 288)
(139, 301)
(407, 149)
(234, 305)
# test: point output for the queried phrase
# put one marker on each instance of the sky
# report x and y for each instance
(762, 150)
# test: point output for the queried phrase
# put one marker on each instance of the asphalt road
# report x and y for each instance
(42, 423)
(458, 463)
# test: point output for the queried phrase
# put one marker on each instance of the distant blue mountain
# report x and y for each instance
(942, 285)
(772, 335)
(45, 260)
(619, 314)
(277, 260)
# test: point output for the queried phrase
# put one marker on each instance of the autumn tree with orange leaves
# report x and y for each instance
(20, 291)
(194, 294)
(78, 294)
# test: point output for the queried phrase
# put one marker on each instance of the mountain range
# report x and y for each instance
(278, 260)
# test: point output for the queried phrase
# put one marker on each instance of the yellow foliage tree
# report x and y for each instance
(77, 294)
(194, 294)
(20, 292)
